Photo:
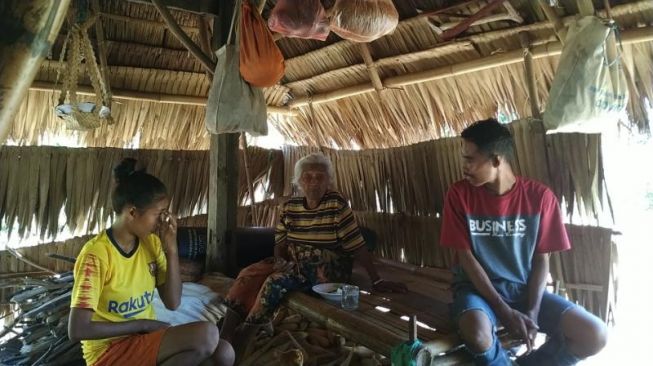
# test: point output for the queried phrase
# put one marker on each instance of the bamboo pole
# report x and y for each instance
(529, 74)
(102, 47)
(205, 60)
(22, 258)
(150, 97)
(607, 8)
(392, 60)
(558, 25)
(467, 22)
(23, 47)
(152, 23)
(248, 176)
(611, 46)
(459, 44)
(485, 20)
(364, 49)
(638, 35)
(585, 7)
(205, 36)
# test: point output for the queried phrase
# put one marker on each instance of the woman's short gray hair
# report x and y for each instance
(314, 159)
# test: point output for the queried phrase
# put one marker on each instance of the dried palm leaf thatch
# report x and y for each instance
(587, 272)
(268, 213)
(266, 171)
(530, 150)
(414, 114)
(577, 176)
(37, 182)
(147, 124)
(414, 179)
(411, 239)
(639, 68)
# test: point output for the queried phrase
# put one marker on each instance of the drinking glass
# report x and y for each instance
(350, 295)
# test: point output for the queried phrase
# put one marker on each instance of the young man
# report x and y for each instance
(503, 228)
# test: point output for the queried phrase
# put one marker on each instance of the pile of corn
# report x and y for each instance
(297, 341)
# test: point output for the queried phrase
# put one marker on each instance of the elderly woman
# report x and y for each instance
(316, 241)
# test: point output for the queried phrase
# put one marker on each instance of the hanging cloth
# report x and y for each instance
(261, 61)
(363, 20)
(300, 18)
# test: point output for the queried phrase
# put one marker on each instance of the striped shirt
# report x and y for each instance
(331, 225)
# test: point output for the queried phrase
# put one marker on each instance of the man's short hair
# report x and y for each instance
(491, 138)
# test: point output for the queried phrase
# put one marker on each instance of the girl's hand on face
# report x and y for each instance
(168, 232)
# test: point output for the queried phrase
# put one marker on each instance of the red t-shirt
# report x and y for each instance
(504, 231)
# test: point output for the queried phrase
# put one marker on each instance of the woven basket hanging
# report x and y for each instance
(83, 116)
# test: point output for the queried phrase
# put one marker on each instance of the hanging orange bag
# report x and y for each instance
(261, 61)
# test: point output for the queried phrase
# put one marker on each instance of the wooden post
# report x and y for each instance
(30, 27)
(530, 75)
(223, 178)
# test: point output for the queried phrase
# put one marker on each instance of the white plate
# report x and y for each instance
(329, 291)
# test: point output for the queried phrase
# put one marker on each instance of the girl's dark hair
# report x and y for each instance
(135, 187)
(491, 138)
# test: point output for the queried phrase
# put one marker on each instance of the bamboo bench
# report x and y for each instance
(381, 320)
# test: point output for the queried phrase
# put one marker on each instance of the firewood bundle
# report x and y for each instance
(39, 327)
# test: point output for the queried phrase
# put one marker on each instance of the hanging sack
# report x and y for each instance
(261, 61)
(82, 115)
(363, 20)
(589, 91)
(233, 105)
(300, 19)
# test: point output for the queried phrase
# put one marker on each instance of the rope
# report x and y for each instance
(81, 49)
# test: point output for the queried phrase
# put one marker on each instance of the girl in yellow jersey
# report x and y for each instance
(115, 277)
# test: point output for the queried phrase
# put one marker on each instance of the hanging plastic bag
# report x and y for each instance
(589, 91)
(363, 20)
(261, 61)
(233, 105)
(300, 19)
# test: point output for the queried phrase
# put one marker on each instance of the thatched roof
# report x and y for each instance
(146, 61)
